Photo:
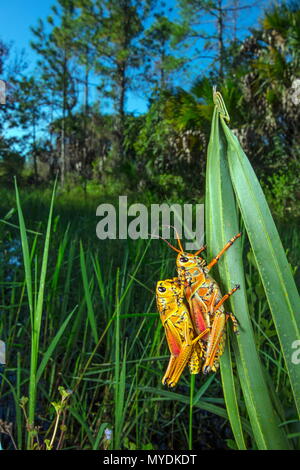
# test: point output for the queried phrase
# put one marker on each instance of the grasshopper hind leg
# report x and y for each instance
(219, 352)
(216, 362)
(195, 362)
(170, 369)
(182, 359)
(235, 323)
(216, 344)
(190, 345)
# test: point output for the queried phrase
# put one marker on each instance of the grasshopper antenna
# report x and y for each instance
(153, 235)
(177, 237)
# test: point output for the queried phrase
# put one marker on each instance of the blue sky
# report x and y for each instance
(17, 16)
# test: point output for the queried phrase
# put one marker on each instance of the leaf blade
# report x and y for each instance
(221, 225)
(273, 267)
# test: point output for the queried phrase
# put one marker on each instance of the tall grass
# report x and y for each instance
(79, 313)
(35, 300)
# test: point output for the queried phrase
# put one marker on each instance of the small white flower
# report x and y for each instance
(108, 434)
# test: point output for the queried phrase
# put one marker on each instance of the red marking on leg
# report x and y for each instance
(198, 318)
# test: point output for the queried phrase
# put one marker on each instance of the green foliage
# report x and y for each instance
(56, 52)
(95, 41)
(88, 322)
(171, 186)
(11, 163)
(152, 142)
(161, 61)
(75, 287)
(281, 192)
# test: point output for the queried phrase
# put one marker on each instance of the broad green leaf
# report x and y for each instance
(221, 225)
(269, 254)
(230, 396)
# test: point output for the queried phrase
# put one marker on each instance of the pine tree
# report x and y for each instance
(212, 24)
(11, 158)
(28, 114)
(4, 50)
(58, 67)
(113, 29)
(161, 60)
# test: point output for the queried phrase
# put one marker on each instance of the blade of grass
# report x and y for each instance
(192, 389)
(88, 297)
(99, 436)
(201, 404)
(37, 323)
(119, 403)
(25, 250)
(53, 345)
(35, 310)
(83, 422)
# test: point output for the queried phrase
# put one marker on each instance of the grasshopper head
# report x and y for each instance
(189, 260)
(167, 289)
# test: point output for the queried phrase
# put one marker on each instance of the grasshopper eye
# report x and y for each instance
(183, 259)
(162, 289)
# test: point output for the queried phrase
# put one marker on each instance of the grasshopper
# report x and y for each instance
(184, 347)
(205, 301)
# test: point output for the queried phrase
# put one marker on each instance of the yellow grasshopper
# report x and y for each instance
(205, 302)
(184, 345)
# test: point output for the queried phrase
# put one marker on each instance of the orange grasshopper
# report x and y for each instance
(205, 301)
(184, 347)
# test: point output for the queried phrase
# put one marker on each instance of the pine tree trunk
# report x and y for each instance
(64, 166)
(86, 112)
(62, 151)
(34, 154)
(121, 112)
